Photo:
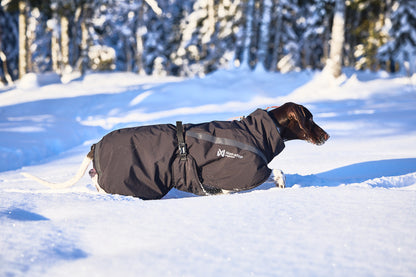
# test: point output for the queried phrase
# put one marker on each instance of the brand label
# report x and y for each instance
(226, 154)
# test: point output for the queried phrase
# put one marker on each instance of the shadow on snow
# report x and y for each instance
(355, 173)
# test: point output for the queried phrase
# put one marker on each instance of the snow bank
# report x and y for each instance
(349, 209)
(292, 232)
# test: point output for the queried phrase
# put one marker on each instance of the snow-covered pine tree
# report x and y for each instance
(401, 48)
(210, 46)
(239, 33)
(264, 34)
(147, 25)
(171, 34)
(285, 53)
(155, 57)
(224, 43)
(162, 37)
(365, 32)
(59, 26)
(218, 50)
(314, 29)
(53, 26)
(83, 19)
(248, 11)
(194, 37)
(110, 28)
(3, 63)
(8, 45)
(40, 42)
(185, 28)
(197, 28)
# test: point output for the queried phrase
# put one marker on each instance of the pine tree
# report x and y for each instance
(171, 36)
(223, 45)
(197, 28)
(194, 37)
(264, 31)
(8, 46)
(248, 33)
(285, 53)
(238, 40)
(365, 22)
(40, 42)
(402, 46)
(315, 29)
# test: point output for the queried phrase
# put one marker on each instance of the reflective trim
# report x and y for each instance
(226, 141)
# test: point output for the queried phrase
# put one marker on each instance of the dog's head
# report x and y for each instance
(296, 122)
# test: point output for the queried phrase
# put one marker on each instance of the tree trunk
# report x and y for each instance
(277, 36)
(64, 43)
(82, 63)
(248, 33)
(139, 41)
(334, 64)
(22, 38)
(263, 48)
(30, 37)
(3, 59)
(55, 51)
(55, 47)
(154, 6)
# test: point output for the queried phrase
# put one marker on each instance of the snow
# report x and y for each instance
(349, 208)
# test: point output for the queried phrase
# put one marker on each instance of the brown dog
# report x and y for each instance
(204, 159)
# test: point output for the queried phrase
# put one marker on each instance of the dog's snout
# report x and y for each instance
(323, 138)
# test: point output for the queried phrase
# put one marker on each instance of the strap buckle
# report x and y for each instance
(183, 151)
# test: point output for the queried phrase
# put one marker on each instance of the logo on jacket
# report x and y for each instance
(226, 154)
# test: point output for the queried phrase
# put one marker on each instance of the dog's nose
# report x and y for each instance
(323, 138)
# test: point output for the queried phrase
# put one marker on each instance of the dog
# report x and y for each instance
(204, 159)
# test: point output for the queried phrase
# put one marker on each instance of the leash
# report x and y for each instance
(236, 118)
(242, 117)
(271, 107)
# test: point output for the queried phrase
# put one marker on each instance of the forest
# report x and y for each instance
(196, 37)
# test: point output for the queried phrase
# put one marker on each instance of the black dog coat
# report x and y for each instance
(146, 162)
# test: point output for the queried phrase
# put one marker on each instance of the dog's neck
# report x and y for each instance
(279, 127)
(280, 120)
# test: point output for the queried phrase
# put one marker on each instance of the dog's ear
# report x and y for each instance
(297, 113)
(303, 113)
(289, 110)
(303, 110)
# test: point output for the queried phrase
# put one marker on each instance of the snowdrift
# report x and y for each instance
(349, 209)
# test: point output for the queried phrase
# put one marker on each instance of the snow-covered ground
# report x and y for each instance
(349, 209)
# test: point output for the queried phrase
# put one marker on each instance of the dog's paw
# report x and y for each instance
(279, 178)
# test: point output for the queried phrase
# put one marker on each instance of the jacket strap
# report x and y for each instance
(181, 140)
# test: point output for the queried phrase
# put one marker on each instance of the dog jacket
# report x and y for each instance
(147, 162)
